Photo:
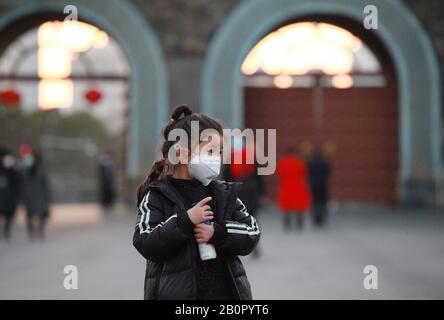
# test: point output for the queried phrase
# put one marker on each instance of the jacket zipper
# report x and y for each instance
(156, 284)
(234, 194)
(193, 269)
(233, 279)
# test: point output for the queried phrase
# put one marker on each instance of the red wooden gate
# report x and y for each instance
(362, 124)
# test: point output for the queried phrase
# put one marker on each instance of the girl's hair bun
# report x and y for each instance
(181, 111)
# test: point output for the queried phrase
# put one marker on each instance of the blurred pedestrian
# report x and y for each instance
(252, 191)
(9, 190)
(293, 194)
(319, 172)
(34, 191)
(107, 181)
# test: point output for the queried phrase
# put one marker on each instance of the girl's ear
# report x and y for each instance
(176, 147)
(182, 154)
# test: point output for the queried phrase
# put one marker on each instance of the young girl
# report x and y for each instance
(182, 206)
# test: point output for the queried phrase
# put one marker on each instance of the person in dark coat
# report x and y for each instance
(9, 190)
(107, 181)
(34, 192)
(319, 172)
(252, 191)
(182, 206)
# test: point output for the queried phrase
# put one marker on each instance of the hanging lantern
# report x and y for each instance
(10, 98)
(93, 96)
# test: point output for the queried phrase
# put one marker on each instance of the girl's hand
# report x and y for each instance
(200, 212)
(203, 232)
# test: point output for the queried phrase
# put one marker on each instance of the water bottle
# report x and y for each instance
(207, 251)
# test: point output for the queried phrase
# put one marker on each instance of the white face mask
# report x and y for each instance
(204, 167)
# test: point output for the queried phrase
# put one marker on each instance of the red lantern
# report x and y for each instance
(93, 96)
(10, 98)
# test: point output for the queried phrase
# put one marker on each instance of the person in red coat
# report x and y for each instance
(293, 194)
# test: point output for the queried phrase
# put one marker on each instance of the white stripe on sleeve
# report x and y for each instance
(252, 229)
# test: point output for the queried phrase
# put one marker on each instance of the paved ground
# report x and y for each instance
(407, 248)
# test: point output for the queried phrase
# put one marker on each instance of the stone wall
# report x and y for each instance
(185, 28)
(431, 15)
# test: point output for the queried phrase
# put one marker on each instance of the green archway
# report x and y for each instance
(404, 37)
(147, 85)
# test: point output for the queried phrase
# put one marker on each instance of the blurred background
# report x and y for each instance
(354, 91)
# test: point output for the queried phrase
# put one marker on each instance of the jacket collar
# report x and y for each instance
(167, 189)
(225, 193)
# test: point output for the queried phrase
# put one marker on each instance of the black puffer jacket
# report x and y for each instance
(164, 236)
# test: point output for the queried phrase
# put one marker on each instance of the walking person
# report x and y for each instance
(293, 195)
(190, 227)
(107, 181)
(9, 191)
(319, 172)
(34, 192)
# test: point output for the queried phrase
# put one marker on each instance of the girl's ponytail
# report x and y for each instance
(160, 167)
(154, 175)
